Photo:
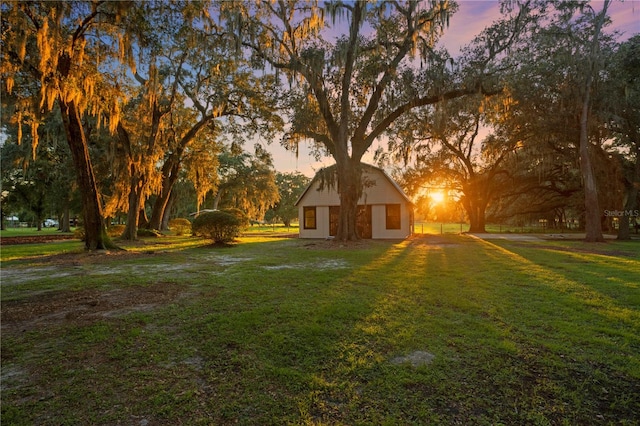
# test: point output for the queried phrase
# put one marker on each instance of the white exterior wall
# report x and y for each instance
(379, 219)
(378, 196)
(322, 223)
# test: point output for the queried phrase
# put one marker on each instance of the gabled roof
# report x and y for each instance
(364, 166)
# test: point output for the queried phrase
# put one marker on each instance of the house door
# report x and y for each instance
(363, 221)
(334, 217)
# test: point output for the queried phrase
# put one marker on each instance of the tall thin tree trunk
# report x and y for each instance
(143, 220)
(159, 211)
(170, 171)
(95, 235)
(130, 232)
(166, 215)
(593, 225)
(65, 225)
(216, 199)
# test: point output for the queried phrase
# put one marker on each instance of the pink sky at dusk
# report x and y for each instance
(472, 17)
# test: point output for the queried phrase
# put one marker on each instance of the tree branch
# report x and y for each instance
(419, 102)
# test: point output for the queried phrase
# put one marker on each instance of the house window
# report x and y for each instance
(393, 216)
(310, 218)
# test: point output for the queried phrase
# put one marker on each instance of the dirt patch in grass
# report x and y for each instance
(331, 244)
(76, 258)
(84, 306)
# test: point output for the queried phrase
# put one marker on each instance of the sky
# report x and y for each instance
(472, 17)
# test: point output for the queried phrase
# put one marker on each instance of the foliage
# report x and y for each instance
(54, 56)
(624, 104)
(229, 102)
(243, 219)
(115, 230)
(450, 152)
(79, 233)
(180, 226)
(219, 226)
(44, 183)
(525, 159)
(290, 187)
(344, 95)
(153, 95)
(79, 57)
(247, 181)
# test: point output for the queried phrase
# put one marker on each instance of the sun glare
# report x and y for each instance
(437, 197)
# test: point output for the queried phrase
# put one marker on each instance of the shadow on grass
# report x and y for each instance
(281, 332)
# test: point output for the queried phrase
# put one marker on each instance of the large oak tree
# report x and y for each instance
(450, 150)
(353, 68)
(624, 105)
(557, 86)
(63, 51)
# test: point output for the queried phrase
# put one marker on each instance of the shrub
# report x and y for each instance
(241, 216)
(180, 226)
(79, 233)
(115, 230)
(221, 227)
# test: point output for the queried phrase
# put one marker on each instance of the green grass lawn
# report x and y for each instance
(287, 331)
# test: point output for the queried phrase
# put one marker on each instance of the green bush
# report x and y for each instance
(221, 227)
(242, 217)
(180, 226)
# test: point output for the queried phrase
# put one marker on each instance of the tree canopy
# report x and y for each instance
(347, 92)
(538, 110)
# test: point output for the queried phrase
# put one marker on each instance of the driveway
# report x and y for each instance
(535, 237)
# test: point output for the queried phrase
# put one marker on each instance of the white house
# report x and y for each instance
(384, 210)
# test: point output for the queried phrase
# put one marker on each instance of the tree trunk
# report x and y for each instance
(593, 225)
(143, 220)
(349, 187)
(475, 209)
(170, 176)
(477, 221)
(130, 232)
(216, 199)
(167, 210)
(65, 225)
(170, 171)
(95, 235)
(631, 204)
(475, 200)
